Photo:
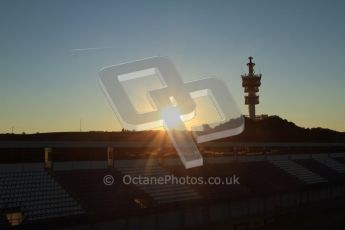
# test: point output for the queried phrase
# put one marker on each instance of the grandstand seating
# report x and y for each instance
(100, 199)
(160, 193)
(297, 170)
(329, 162)
(268, 184)
(252, 178)
(340, 159)
(331, 175)
(210, 191)
(36, 194)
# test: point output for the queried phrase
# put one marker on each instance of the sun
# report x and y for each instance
(171, 117)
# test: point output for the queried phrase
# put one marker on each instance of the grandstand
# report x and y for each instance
(70, 192)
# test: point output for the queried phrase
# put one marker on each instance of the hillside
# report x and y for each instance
(271, 129)
(274, 129)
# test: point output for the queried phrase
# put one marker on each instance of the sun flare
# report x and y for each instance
(171, 117)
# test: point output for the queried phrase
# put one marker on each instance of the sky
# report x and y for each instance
(51, 53)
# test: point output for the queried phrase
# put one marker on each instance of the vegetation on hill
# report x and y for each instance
(274, 128)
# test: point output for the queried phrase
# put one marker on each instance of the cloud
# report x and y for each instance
(87, 49)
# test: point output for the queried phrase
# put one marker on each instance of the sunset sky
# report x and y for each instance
(51, 53)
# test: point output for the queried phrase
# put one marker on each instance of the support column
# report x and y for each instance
(252, 111)
(110, 157)
(48, 161)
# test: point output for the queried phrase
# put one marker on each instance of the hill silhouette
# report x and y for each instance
(270, 129)
(276, 129)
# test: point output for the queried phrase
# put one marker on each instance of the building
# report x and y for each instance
(251, 83)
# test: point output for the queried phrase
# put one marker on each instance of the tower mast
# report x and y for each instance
(251, 83)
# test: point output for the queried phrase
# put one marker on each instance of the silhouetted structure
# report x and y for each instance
(251, 83)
